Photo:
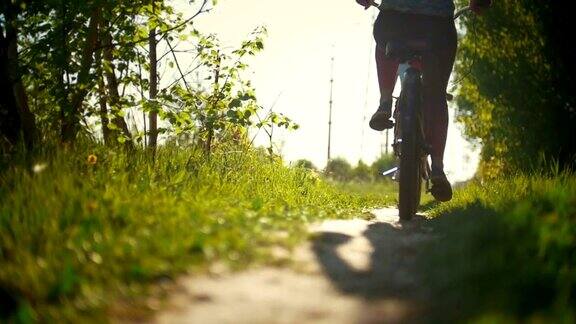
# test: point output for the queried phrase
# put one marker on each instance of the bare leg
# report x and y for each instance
(387, 71)
(436, 74)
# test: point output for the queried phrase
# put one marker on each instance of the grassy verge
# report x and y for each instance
(507, 252)
(77, 235)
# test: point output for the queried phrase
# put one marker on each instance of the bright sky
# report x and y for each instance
(293, 71)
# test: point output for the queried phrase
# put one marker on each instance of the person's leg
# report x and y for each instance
(384, 30)
(436, 70)
(436, 74)
(387, 71)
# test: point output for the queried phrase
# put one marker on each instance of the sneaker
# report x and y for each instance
(441, 189)
(381, 118)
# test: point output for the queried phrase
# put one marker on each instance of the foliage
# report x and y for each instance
(384, 163)
(515, 91)
(306, 164)
(63, 45)
(362, 172)
(338, 169)
(229, 107)
(83, 65)
(510, 246)
(86, 228)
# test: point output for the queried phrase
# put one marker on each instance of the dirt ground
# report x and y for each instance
(351, 271)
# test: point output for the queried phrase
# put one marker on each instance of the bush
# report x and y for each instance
(383, 163)
(362, 172)
(306, 164)
(339, 169)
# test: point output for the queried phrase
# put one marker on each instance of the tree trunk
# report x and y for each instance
(153, 116)
(14, 103)
(102, 100)
(71, 114)
(10, 124)
(113, 94)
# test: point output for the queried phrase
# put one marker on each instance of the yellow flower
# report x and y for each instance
(92, 159)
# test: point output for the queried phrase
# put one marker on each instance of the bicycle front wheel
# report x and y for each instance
(410, 153)
(410, 177)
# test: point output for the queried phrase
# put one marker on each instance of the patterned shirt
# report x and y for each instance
(444, 8)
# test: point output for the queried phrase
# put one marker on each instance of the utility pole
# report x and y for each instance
(330, 107)
(364, 117)
(370, 58)
(387, 142)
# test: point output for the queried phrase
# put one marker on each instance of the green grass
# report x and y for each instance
(81, 241)
(77, 238)
(507, 251)
(371, 189)
(384, 188)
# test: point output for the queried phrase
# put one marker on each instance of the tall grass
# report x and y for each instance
(81, 229)
(507, 251)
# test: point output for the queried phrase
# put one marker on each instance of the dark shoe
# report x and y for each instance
(381, 118)
(441, 189)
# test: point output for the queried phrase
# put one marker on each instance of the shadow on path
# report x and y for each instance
(390, 273)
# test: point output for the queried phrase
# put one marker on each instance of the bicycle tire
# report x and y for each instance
(410, 184)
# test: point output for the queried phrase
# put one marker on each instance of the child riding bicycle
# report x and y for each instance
(429, 21)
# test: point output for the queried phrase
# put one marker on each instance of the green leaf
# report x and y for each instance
(234, 103)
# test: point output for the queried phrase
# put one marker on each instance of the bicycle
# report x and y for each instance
(409, 143)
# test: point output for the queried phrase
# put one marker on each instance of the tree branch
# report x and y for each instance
(178, 65)
(163, 32)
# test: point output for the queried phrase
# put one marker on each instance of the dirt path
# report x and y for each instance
(353, 271)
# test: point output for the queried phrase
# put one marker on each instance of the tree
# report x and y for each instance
(16, 119)
(517, 92)
(153, 91)
(306, 164)
(121, 133)
(87, 62)
(338, 169)
(362, 172)
(74, 51)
